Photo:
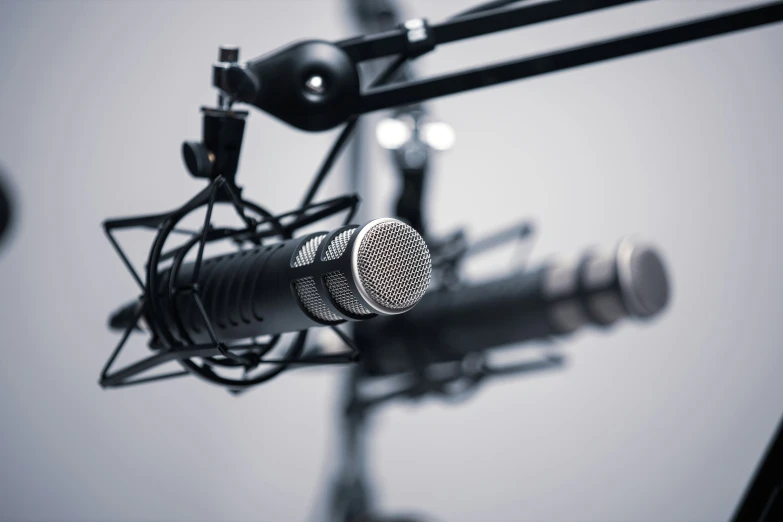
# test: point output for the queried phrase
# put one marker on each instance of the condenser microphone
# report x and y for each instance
(553, 300)
(325, 278)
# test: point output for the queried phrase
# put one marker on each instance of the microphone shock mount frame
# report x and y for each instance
(204, 361)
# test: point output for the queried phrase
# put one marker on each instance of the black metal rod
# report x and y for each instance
(124, 258)
(120, 376)
(309, 219)
(460, 28)
(315, 360)
(120, 345)
(155, 378)
(416, 91)
(498, 20)
(764, 494)
(148, 221)
(238, 205)
(342, 202)
(346, 134)
(207, 224)
(487, 6)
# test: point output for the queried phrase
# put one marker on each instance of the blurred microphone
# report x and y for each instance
(555, 299)
(5, 209)
(326, 278)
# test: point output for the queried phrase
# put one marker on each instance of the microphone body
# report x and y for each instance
(325, 278)
(554, 299)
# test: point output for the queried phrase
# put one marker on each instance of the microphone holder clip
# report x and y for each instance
(218, 152)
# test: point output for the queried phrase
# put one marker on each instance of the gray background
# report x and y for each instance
(663, 421)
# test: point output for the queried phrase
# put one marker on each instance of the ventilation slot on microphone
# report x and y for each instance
(306, 253)
(337, 284)
(338, 244)
(308, 295)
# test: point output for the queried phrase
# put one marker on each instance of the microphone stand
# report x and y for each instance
(351, 495)
(352, 489)
(316, 85)
(412, 159)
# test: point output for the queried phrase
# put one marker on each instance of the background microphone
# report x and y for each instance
(554, 299)
(325, 278)
(5, 208)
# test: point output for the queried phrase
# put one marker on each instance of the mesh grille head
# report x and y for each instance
(308, 294)
(306, 253)
(393, 265)
(337, 284)
(338, 244)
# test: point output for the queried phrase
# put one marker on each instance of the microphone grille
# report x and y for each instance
(338, 244)
(305, 287)
(306, 253)
(337, 284)
(308, 294)
(393, 265)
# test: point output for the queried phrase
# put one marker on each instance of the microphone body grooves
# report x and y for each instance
(325, 278)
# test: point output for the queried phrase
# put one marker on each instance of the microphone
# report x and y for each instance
(325, 278)
(553, 300)
(5, 209)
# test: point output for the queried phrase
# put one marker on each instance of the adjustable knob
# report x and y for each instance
(228, 54)
(198, 159)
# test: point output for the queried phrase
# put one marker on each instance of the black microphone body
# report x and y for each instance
(325, 278)
(246, 294)
(554, 299)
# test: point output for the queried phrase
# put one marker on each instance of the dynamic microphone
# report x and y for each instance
(325, 278)
(555, 299)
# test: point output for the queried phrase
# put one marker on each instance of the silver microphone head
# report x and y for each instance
(382, 267)
(391, 265)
